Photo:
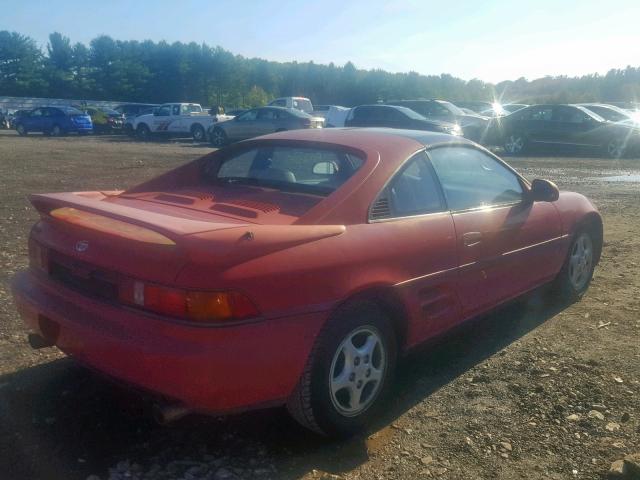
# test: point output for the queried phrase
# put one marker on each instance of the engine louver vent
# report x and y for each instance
(380, 209)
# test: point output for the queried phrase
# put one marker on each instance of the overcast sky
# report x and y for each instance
(490, 40)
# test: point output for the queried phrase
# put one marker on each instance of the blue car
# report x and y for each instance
(54, 121)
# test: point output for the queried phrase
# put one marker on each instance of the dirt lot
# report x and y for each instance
(535, 390)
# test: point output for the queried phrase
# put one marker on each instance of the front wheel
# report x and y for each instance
(143, 132)
(515, 144)
(574, 278)
(197, 132)
(218, 137)
(348, 374)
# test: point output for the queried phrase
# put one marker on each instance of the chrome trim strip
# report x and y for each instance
(421, 277)
(517, 250)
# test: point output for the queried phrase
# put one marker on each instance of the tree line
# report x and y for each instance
(155, 72)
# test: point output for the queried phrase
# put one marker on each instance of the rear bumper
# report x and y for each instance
(213, 369)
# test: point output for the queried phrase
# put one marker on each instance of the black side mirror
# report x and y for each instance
(543, 191)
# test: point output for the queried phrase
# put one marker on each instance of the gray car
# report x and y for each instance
(261, 121)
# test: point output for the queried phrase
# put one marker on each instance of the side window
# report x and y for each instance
(267, 114)
(163, 111)
(279, 103)
(175, 110)
(36, 113)
(414, 190)
(248, 116)
(361, 113)
(569, 115)
(470, 178)
(541, 114)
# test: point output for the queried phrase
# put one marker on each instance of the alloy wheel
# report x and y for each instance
(615, 148)
(357, 371)
(514, 144)
(580, 262)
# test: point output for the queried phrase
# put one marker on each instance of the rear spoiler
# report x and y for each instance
(94, 202)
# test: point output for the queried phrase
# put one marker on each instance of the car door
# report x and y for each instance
(241, 127)
(538, 125)
(573, 126)
(506, 244)
(415, 234)
(266, 122)
(161, 119)
(179, 118)
(33, 121)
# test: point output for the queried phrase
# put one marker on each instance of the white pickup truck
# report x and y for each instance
(177, 120)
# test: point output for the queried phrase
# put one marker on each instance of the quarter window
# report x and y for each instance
(471, 179)
(414, 190)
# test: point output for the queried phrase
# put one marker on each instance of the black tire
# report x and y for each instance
(565, 286)
(143, 132)
(56, 131)
(21, 130)
(615, 148)
(313, 404)
(198, 133)
(218, 137)
(515, 143)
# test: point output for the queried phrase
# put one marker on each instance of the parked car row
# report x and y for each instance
(608, 129)
(605, 129)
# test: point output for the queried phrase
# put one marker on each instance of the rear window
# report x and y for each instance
(293, 169)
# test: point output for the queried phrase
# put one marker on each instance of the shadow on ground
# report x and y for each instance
(61, 421)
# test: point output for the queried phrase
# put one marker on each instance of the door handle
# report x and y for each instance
(471, 239)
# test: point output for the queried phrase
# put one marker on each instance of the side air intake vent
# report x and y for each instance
(381, 209)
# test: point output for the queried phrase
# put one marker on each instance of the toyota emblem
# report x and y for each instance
(82, 246)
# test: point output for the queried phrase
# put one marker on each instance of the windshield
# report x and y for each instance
(292, 169)
(452, 108)
(303, 104)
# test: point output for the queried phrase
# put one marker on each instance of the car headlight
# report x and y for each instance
(455, 130)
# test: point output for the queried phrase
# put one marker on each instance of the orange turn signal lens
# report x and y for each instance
(192, 305)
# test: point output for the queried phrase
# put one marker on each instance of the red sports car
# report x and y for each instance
(293, 269)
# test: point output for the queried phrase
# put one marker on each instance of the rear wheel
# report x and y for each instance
(218, 137)
(348, 374)
(21, 130)
(56, 131)
(574, 278)
(143, 132)
(197, 132)
(515, 144)
(616, 148)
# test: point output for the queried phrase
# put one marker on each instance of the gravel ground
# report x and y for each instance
(534, 390)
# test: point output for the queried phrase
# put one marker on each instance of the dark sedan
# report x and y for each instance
(473, 126)
(261, 121)
(565, 125)
(392, 116)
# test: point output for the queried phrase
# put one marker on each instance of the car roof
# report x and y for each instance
(370, 137)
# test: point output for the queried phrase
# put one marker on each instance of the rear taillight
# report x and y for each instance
(38, 256)
(196, 306)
